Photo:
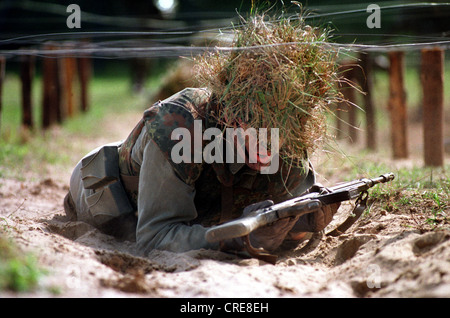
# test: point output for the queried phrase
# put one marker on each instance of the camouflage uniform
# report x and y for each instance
(176, 203)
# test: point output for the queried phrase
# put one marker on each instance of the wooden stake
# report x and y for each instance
(59, 78)
(50, 101)
(67, 72)
(350, 95)
(346, 106)
(366, 82)
(432, 77)
(84, 74)
(70, 66)
(397, 106)
(26, 75)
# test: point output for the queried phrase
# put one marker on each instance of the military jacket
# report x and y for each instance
(176, 202)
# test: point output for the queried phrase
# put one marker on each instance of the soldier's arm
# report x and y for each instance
(165, 206)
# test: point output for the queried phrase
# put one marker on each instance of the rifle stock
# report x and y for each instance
(245, 225)
(297, 206)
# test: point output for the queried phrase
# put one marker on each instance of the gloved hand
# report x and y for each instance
(271, 236)
(315, 221)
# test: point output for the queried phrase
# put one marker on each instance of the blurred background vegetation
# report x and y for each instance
(131, 82)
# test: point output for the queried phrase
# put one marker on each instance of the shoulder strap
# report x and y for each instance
(125, 162)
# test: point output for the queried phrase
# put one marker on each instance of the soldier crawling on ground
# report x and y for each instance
(279, 75)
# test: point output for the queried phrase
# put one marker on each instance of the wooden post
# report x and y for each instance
(2, 77)
(432, 77)
(67, 69)
(26, 75)
(350, 95)
(69, 66)
(366, 82)
(340, 110)
(346, 106)
(84, 74)
(397, 106)
(59, 78)
(50, 101)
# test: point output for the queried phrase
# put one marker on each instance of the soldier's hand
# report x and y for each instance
(271, 236)
(316, 221)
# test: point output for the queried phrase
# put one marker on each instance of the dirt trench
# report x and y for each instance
(387, 253)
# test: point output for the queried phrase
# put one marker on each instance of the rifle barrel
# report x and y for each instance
(368, 182)
(296, 206)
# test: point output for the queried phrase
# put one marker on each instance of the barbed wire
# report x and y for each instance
(187, 51)
(176, 42)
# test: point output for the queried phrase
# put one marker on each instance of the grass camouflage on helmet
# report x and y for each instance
(280, 73)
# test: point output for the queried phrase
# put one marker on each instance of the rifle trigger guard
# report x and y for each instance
(360, 206)
(258, 253)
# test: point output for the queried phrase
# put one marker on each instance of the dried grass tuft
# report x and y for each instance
(279, 74)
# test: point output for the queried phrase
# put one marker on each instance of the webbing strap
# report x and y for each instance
(131, 183)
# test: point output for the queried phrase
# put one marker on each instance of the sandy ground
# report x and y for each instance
(389, 253)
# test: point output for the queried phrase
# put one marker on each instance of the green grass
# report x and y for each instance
(416, 189)
(19, 272)
(414, 184)
(415, 178)
(413, 90)
(107, 94)
(111, 93)
(22, 149)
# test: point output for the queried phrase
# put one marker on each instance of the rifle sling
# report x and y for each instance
(361, 204)
(131, 183)
(258, 253)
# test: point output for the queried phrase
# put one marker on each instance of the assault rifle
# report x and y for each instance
(299, 206)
